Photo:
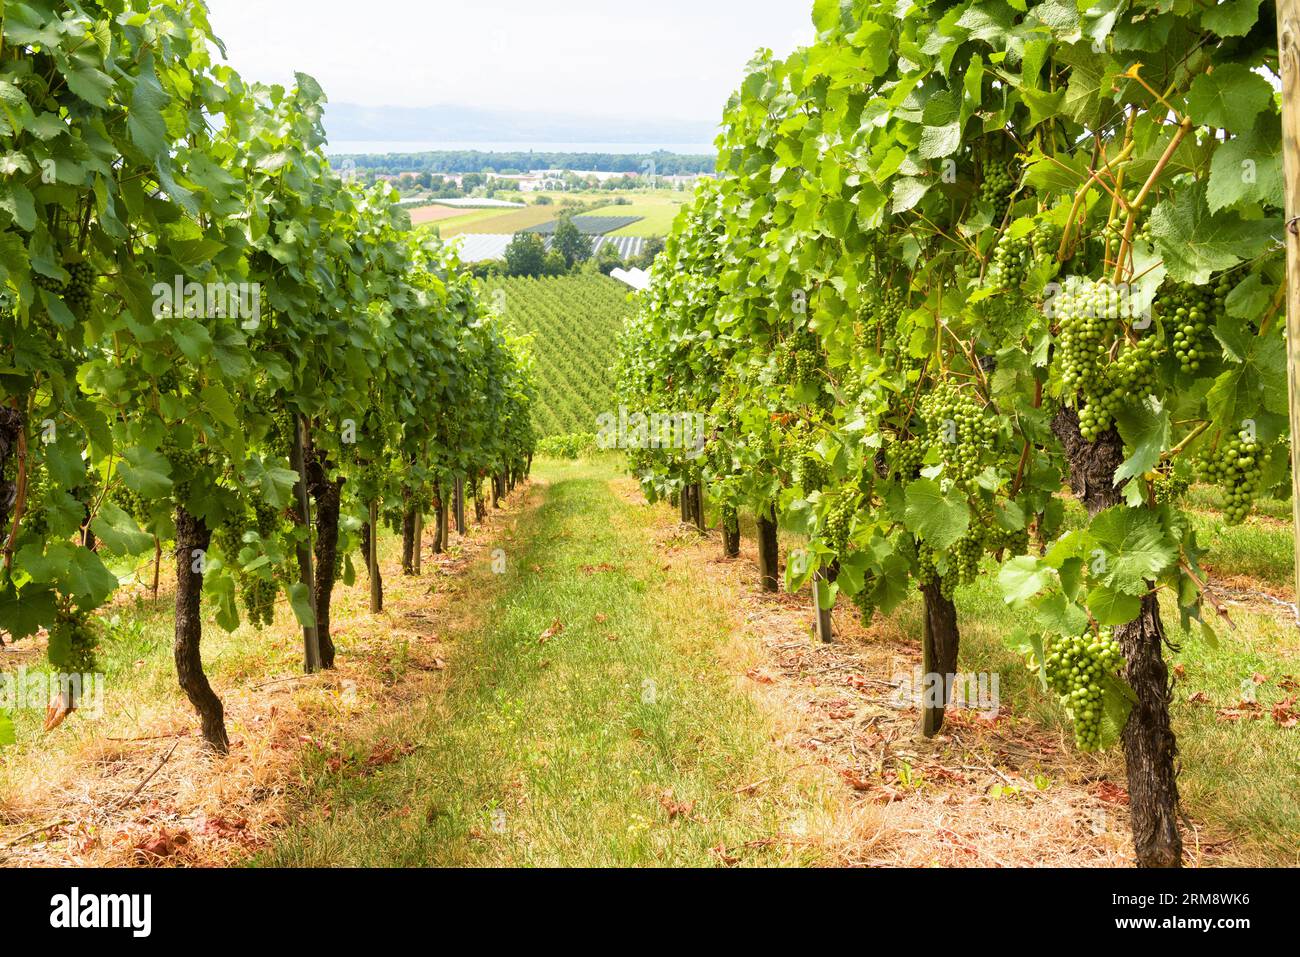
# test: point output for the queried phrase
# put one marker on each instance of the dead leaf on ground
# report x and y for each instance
(675, 808)
(857, 781)
(1110, 792)
(725, 856)
(163, 844)
(223, 827)
(1285, 714)
(556, 628)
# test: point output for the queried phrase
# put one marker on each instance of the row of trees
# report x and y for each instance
(661, 162)
(211, 339)
(570, 250)
(964, 258)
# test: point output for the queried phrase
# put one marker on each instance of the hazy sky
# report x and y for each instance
(660, 58)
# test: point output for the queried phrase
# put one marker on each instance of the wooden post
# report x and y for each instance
(460, 505)
(823, 624)
(157, 564)
(310, 637)
(1288, 50)
(372, 562)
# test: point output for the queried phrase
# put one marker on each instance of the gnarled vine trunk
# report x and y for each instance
(460, 506)
(11, 427)
(439, 511)
(940, 644)
(192, 541)
(328, 496)
(730, 532)
(769, 558)
(696, 505)
(442, 539)
(408, 542)
(1150, 749)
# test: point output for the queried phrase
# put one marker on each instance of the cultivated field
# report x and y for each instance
(575, 321)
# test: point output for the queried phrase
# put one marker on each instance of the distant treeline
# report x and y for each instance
(473, 161)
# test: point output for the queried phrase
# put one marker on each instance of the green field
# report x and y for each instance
(494, 221)
(657, 209)
(575, 321)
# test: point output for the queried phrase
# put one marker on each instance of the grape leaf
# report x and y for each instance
(146, 472)
(1110, 607)
(89, 580)
(1144, 429)
(23, 613)
(119, 532)
(1229, 98)
(300, 601)
(936, 519)
(1231, 18)
(1247, 169)
(1023, 577)
(1196, 243)
(1138, 546)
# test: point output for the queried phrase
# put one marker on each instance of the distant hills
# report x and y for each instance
(350, 122)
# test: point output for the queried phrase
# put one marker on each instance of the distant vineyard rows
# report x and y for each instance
(575, 322)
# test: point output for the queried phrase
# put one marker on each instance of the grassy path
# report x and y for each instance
(591, 717)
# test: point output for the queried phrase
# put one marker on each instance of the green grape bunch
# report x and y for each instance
(80, 285)
(1237, 466)
(1190, 314)
(805, 466)
(257, 593)
(998, 185)
(131, 502)
(1075, 667)
(1045, 241)
(904, 457)
(185, 466)
(880, 318)
(1133, 375)
(1143, 231)
(800, 358)
(838, 524)
(1102, 367)
(1008, 267)
(49, 283)
(960, 429)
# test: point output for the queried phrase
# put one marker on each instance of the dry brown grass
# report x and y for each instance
(987, 792)
(96, 797)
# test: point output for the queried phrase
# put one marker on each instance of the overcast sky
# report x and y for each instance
(663, 58)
